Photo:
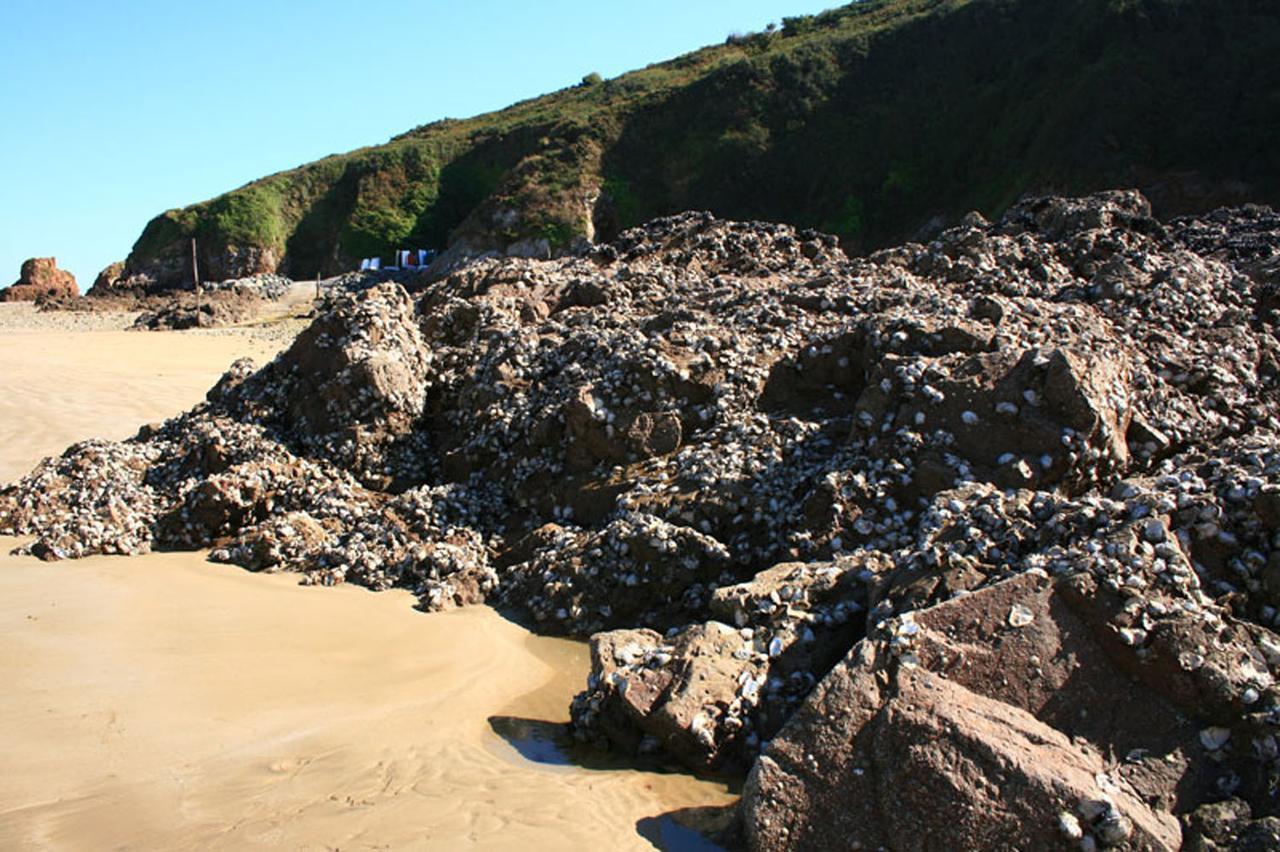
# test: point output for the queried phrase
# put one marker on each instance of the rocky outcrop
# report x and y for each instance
(208, 311)
(1027, 469)
(710, 693)
(110, 281)
(354, 384)
(219, 303)
(229, 268)
(40, 278)
(171, 270)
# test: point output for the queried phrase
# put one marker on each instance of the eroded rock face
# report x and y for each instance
(729, 453)
(109, 281)
(40, 277)
(1021, 716)
(171, 270)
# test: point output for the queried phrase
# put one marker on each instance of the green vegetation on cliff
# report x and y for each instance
(865, 121)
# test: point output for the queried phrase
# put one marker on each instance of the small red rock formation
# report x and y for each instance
(40, 276)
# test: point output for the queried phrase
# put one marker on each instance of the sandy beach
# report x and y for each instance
(164, 702)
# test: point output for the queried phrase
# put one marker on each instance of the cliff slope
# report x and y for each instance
(868, 122)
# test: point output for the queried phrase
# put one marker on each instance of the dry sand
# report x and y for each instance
(164, 702)
(62, 386)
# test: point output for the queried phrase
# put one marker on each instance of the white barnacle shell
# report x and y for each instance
(1132, 636)
(1214, 738)
(1190, 660)
(1020, 616)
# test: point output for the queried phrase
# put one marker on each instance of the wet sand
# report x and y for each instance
(165, 702)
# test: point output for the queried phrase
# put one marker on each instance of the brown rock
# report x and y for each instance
(636, 569)
(937, 767)
(591, 437)
(708, 694)
(274, 544)
(361, 379)
(651, 705)
(1038, 418)
(108, 281)
(40, 276)
(978, 722)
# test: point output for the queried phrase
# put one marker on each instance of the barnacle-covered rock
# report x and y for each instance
(709, 694)
(978, 722)
(733, 424)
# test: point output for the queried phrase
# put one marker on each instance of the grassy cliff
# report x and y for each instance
(866, 121)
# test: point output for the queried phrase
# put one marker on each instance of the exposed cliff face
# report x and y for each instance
(170, 269)
(869, 122)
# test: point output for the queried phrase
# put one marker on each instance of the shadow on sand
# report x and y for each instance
(536, 740)
(682, 830)
(690, 830)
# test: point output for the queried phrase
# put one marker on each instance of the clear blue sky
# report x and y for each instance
(113, 112)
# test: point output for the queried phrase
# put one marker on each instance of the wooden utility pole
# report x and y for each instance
(195, 277)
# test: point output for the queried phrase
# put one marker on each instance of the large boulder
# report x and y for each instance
(1044, 418)
(708, 694)
(40, 277)
(1021, 716)
(944, 768)
(646, 703)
